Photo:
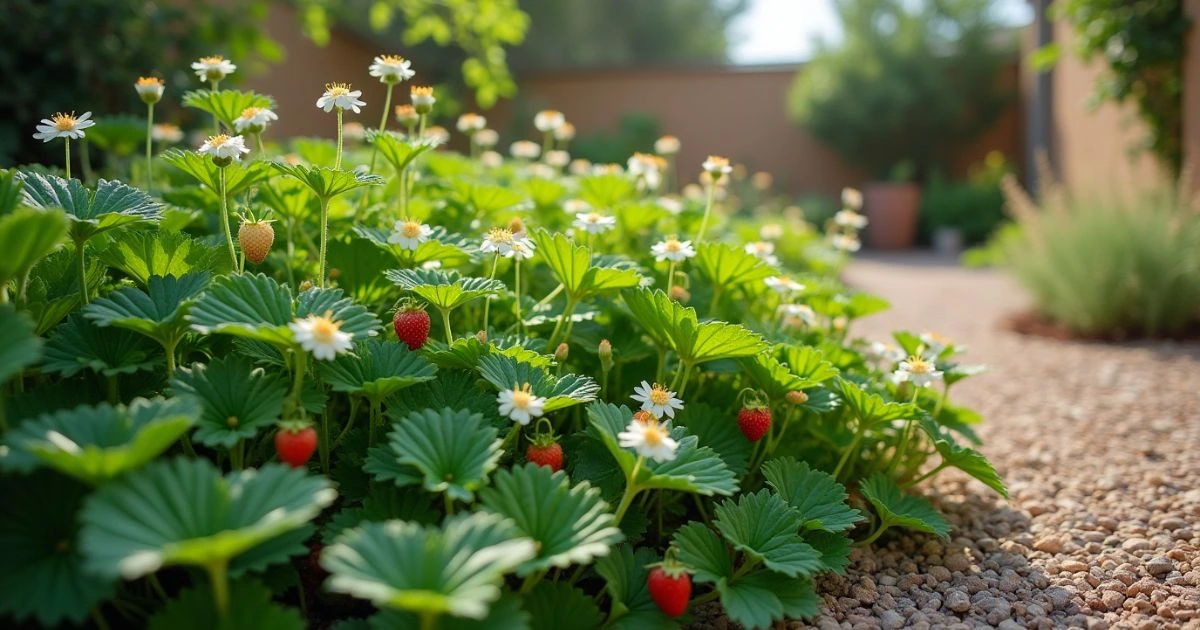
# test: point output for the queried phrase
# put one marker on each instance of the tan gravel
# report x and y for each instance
(1100, 446)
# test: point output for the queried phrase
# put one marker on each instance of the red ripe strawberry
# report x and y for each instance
(546, 453)
(295, 443)
(754, 420)
(412, 325)
(256, 238)
(670, 587)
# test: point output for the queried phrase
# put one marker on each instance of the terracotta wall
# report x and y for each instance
(740, 113)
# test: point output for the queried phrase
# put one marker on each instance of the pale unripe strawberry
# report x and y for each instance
(256, 238)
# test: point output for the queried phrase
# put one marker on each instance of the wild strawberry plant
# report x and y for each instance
(598, 403)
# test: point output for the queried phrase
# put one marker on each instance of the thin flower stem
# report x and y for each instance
(324, 232)
(233, 259)
(712, 195)
(446, 323)
(262, 151)
(517, 290)
(149, 147)
(216, 121)
(547, 143)
(387, 107)
(566, 314)
(883, 527)
(550, 296)
(67, 148)
(219, 575)
(291, 252)
(301, 361)
(670, 276)
(927, 475)
(631, 490)
(83, 288)
(487, 301)
(449, 503)
(858, 436)
(337, 163)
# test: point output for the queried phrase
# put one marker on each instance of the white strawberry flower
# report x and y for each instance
(576, 206)
(548, 120)
(801, 312)
(525, 150)
(919, 371)
(852, 199)
(166, 132)
(594, 222)
(470, 123)
(520, 404)
(521, 249)
(224, 147)
(657, 399)
(558, 158)
(498, 240)
(149, 89)
(783, 285)
(672, 249)
(579, 167)
(321, 336)
(63, 126)
(254, 119)
(565, 132)
(391, 69)
(409, 234)
(845, 243)
(716, 166)
(340, 96)
(936, 343)
(422, 98)
(670, 203)
(666, 145)
(213, 68)
(885, 355)
(491, 159)
(850, 219)
(763, 250)
(648, 438)
(486, 138)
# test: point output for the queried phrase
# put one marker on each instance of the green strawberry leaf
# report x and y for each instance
(455, 389)
(729, 267)
(557, 605)
(766, 529)
(751, 600)
(183, 512)
(486, 200)
(677, 328)
(226, 105)
(570, 524)
(717, 431)
(376, 370)
(871, 408)
(53, 290)
(327, 183)
(79, 344)
(817, 496)
(447, 451)
(575, 269)
(28, 235)
(807, 362)
(239, 176)
(41, 568)
(773, 377)
(238, 399)
(20, 347)
(545, 193)
(384, 503)
(607, 190)
(399, 150)
(112, 205)
(963, 458)
(95, 444)
(451, 249)
(353, 318)
(156, 312)
(505, 614)
(142, 254)
(253, 306)
(250, 608)
(799, 598)
(703, 552)
(444, 290)
(898, 509)
(505, 372)
(834, 548)
(457, 569)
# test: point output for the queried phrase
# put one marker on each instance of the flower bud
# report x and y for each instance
(406, 115)
(605, 351)
(680, 294)
(422, 99)
(516, 226)
(561, 352)
(482, 336)
(149, 89)
(797, 397)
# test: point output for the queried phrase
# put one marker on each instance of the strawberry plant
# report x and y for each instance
(629, 403)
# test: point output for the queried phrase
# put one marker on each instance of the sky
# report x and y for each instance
(782, 31)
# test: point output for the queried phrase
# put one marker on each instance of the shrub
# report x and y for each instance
(975, 206)
(1109, 266)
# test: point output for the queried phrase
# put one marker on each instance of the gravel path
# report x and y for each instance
(1100, 446)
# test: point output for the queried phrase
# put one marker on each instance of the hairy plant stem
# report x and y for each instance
(233, 259)
(708, 206)
(355, 401)
(83, 288)
(562, 318)
(902, 446)
(631, 490)
(487, 300)
(858, 436)
(218, 574)
(216, 121)
(324, 237)
(67, 149)
(149, 146)
(291, 251)
(517, 291)
(446, 323)
(337, 162)
(670, 277)
(387, 107)
(927, 475)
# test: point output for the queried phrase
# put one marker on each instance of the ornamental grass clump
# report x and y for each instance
(598, 403)
(1106, 265)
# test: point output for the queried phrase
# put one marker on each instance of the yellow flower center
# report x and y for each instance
(411, 229)
(654, 433)
(149, 81)
(218, 140)
(213, 60)
(500, 235)
(717, 162)
(643, 416)
(392, 60)
(405, 110)
(64, 122)
(917, 365)
(324, 329)
(522, 397)
(421, 90)
(337, 89)
(250, 112)
(593, 217)
(659, 395)
(673, 246)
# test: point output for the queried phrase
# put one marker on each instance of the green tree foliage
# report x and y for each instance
(1142, 43)
(909, 83)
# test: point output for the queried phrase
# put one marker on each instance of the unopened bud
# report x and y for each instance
(606, 355)
(515, 226)
(481, 336)
(561, 352)
(306, 285)
(643, 416)
(680, 294)
(797, 397)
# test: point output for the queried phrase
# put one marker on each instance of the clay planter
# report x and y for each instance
(892, 210)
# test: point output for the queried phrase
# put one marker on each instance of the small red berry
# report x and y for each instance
(412, 326)
(295, 444)
(671, 588)
(549, 454)
(754, 420)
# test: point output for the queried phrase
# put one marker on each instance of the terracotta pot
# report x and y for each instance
(891, 208)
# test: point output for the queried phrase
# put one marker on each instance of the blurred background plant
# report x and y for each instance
(908, 85)
(973, 207)
(1103, 265)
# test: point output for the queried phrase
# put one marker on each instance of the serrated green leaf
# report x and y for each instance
(505, 373)
(10, 191)
(444, 290)
(703, 552)
(457, 569)
(624, 573)
(545, 193)
(729, 267)
(238, 399)
(455, 389)
(568, 262)
(834, 548)
(716, 430)
(183, 512)
(41, 569)
(142, 254)
(239, 176)
(570, 524)
(765, 528)
(870, 407)
(400, 151)
(251, 306)
(250, 608)
(676, 327)
(773, 377)
(486, 199)
(20, 346)
(53, 290)
(557, 605)
(807, 362)
(327, 183)
(79, 344)
(377, 369)
(273, 551)
(695, 468)
(353, 318)
(449, 248)
(606, 191)
(384, 503)
(95, 444)
(818, 498)
(28, 235)
(505, 614)
(898, 509)
(156, 312)
(112, 205)
(751, 600)
(288, 198)
(799, 598)
(451, 451)
(226, 105)
(963, 458)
